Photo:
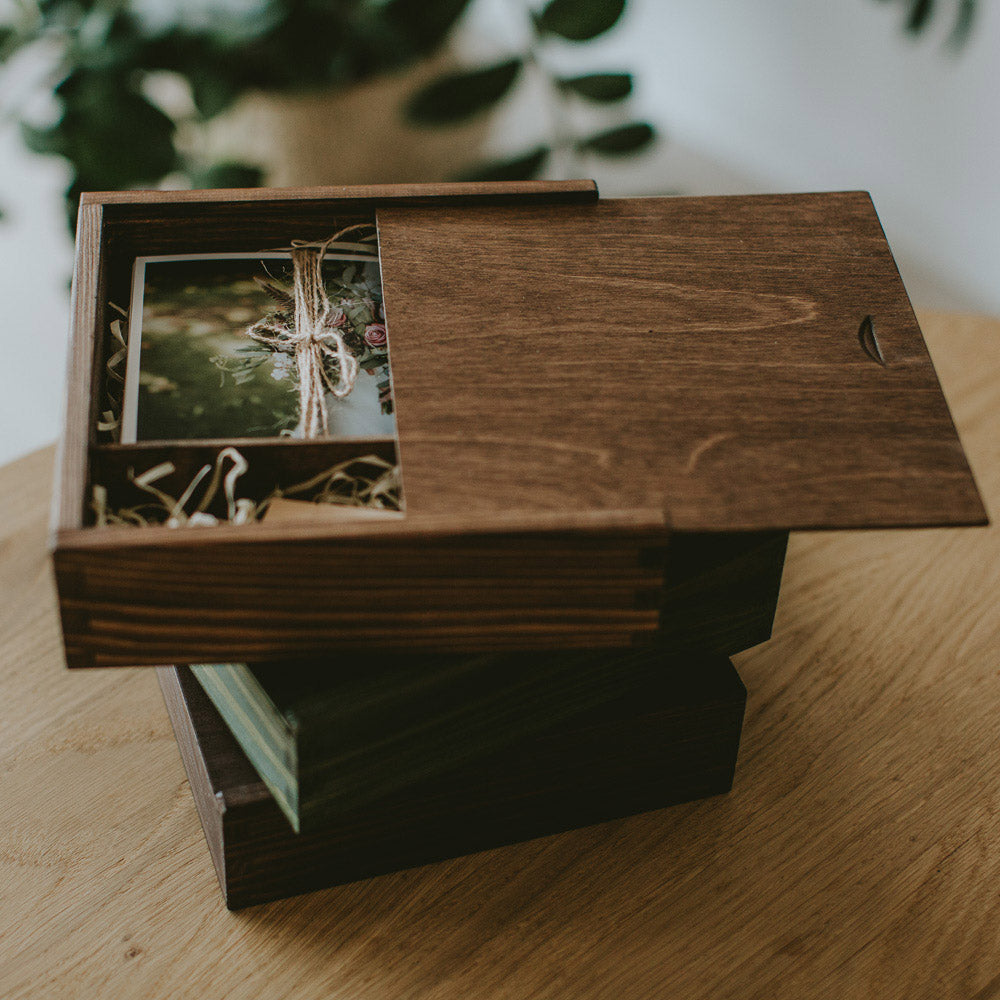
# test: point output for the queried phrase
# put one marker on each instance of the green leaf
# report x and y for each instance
(601, 87)
(228, 174)
(104, 41)
(113, 136)
(458, 96)
(47, 141)
(424, 23)
(579, 20)
(964, 23)
(920, 14)
(130, 143)
(8, 41)
(212, 92)
(619, 141)
(519, 168)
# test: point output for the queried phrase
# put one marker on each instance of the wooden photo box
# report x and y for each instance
(332, 737)
(608, 415)
(665, 731)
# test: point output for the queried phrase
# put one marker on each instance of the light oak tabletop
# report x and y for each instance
(858, 854)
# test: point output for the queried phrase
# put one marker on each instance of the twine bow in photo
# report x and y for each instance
(313, 335)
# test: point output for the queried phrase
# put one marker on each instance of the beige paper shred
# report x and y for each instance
(359, 487)
(109, 419)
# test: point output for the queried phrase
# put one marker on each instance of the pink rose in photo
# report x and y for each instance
(337, 318)
(375, 335)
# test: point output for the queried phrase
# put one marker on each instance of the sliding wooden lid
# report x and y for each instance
(575, 381)
(739, 363)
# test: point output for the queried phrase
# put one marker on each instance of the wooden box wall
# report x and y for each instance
(647, 385)
(659, 743)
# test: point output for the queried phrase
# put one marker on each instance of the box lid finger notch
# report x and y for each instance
(578, 384)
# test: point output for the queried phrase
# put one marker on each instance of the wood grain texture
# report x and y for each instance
(699, 355)
(720, 592)
(286, 591)
(85, 313)
(856, 856)
(256, 593)
(661, 739)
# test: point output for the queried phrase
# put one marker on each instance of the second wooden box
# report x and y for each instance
(662, 733)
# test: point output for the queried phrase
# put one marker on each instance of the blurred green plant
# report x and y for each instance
(456, 97)
(920, 14)
(114, 135)
(102, 54)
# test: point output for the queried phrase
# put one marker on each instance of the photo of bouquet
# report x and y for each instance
(284, 343)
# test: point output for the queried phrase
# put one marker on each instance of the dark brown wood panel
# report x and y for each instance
(704, 356)
(150, 222)
(258, 592)
(81, 393)
(667, 738)
(720, 592)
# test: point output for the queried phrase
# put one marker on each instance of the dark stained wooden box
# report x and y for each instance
(610, 413)
(662, 738)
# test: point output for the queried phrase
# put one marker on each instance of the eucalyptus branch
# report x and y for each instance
(459, 96)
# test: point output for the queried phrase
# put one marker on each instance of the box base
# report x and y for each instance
(677, 742)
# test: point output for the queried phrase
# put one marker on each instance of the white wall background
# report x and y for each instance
(758, 95)
(806, 94)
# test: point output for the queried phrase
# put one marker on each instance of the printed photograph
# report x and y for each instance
(266, 345)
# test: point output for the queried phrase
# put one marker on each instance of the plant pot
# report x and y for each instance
(353, 136)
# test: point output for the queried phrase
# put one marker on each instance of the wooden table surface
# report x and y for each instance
(857, 856)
